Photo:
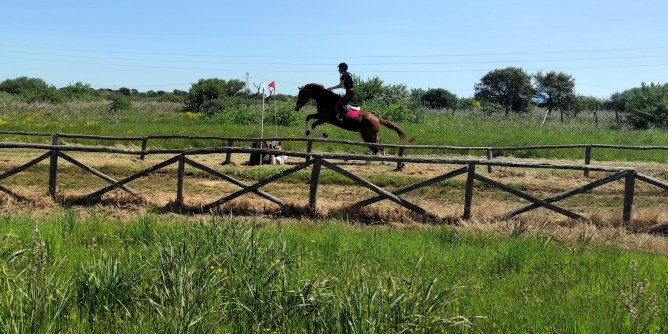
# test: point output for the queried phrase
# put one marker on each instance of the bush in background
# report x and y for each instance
(31, 89)
(648, 106)
(118, 103)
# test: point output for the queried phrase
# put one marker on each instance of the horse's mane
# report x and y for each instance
(313, 86)
(316, 87)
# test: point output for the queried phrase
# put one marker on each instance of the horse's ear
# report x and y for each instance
(300, 88)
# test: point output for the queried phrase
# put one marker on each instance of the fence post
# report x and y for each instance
(313, 188)
(468, 193)
(587, 159)
(400, 164)
(53, 167)
(228, 155)
(144, 144)
(629, 190)
(179, 180)
(490, 156)
(309, 147)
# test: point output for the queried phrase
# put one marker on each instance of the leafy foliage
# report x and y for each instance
(468, 103)
(249, 112)
(617, 101)
(554, 90)
(32, 89)
(439, 98)
(395, 112)
(580, 103)
(648, 106)
(118, 102)
(509, 87)
(79, 91)
(392, 102)
(211, 89)
(368, 90)
(212, 107)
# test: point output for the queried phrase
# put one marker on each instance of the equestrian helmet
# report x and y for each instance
(343, 66)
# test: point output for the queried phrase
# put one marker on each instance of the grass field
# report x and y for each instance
(219, 275)
(115, 267)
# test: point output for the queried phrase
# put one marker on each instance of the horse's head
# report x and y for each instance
(302, 99)
(307, 92)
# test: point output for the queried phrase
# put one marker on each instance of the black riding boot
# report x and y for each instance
(339, 115)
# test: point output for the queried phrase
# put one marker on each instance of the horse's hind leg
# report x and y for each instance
(374, 149)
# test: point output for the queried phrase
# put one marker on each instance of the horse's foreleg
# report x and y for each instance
(317, 132)
(308, 118)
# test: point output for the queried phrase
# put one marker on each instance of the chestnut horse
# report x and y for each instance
(366, 123)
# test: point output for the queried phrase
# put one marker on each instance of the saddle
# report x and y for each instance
(352, 111)
(352, 106)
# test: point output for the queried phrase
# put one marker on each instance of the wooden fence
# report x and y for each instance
(402, 150)
(317, 161)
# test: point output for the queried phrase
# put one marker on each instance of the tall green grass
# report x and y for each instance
(219, 275)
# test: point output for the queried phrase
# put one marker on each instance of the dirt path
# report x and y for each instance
(602, 206)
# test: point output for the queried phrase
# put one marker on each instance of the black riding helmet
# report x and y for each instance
(343, 66)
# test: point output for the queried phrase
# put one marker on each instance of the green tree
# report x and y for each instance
(125, 91)
(554, 90)
(648, 106)
(509, 87)
(211, 89)
(617, 103)
(439, 98)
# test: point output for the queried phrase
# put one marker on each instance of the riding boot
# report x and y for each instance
(339, 115)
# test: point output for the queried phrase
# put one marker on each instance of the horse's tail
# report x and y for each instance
(396, 128)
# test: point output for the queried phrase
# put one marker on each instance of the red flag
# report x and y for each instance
(272, 85)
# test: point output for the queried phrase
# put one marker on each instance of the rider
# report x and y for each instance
(347, 83)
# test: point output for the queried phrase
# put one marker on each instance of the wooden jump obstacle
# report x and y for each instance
(317, 161)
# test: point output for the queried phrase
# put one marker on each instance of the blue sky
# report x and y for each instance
(607, 46)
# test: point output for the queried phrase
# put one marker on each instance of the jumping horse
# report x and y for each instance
(364, 122)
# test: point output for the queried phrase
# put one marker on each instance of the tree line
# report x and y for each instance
(503, 90)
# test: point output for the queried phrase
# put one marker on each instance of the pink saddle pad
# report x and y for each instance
(352, 113)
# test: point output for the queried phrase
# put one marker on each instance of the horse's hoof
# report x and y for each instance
(308, 133)
(325, 135)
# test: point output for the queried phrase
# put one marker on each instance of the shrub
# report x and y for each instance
(80, 91)
(211, 89)
(648, 106)
(212, 107)
(395, 112)
(118, 103)
(32, 89)
(251, 113)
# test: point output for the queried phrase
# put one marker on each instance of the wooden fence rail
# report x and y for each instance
(317, 161)
(402, 150)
